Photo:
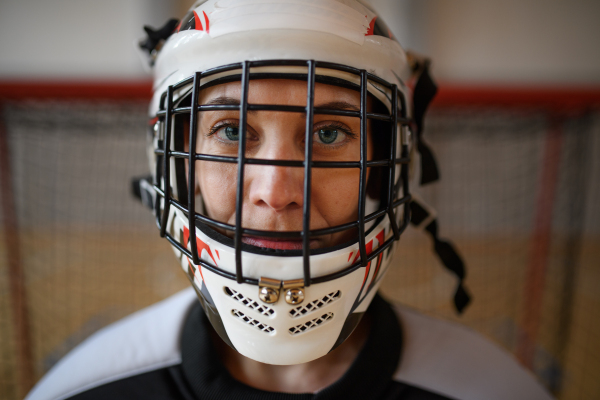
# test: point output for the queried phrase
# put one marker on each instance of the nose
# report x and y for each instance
(276, 187)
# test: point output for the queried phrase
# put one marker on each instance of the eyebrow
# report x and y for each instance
(224, 101)
(339, 105)
(332, 105)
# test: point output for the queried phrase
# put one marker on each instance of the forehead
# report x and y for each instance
(281, 91)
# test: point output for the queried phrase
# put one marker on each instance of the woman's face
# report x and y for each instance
(273, 195)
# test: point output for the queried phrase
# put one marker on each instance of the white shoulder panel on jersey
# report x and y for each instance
(142, 342)
(454, 361)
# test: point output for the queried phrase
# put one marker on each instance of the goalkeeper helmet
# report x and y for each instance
(280, 293)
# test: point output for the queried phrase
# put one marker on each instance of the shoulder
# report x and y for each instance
(144, 341)
(453, 360)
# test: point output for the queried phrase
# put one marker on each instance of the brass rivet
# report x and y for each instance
(268, 295)
(294, 296)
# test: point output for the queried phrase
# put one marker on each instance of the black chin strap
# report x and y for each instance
(424, 92)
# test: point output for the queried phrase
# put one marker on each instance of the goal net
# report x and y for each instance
(518, 197)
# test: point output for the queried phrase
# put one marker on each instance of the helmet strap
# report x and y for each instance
(424, 92)
(422, 218)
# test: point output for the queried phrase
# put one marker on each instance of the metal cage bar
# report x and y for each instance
(363, 169)
(284, 163)
(275, 107)
(157, 180)
(308, 148)
(392, 176)
(166, 167)
(354, 266)
(239, 196)
(252, 281)
(404, 168)
(206, 265)
(192, 169)
(256, 232)
(168, 112)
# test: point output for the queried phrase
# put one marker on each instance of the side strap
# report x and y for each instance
(142, 189)
(424, 92)
(155, 36)
(445, 251)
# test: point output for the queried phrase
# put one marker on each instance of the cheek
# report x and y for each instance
(217, 186)
(335, 194)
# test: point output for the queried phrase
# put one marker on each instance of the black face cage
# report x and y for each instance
(162, 180)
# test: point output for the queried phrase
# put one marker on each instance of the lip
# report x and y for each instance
(273, 243)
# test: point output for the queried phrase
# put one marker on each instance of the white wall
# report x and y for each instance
(515, 41)
(75, 39)
(490, 41)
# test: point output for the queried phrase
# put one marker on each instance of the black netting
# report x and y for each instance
(89, 252)
(518, 195)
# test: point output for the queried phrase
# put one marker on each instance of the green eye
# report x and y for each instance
(232, 133)
(328, 135)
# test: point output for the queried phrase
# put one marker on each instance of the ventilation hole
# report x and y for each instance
(251, 321)
(314, 305)
(264, 310)
(310, 324)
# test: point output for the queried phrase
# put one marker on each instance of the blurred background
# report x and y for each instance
(515, 128)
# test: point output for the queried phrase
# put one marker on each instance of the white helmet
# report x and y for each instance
(286, 306)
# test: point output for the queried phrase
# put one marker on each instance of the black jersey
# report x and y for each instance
(166, 352)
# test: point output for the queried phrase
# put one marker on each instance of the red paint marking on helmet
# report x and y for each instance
(350, 256)
(152, 121)
(371, 27)
(207, 22)
(217, 252)
(199, 244)
(198, 23)
(186, 236)
(380, 237)
(186, 239)
(368, 248)
(203, 246)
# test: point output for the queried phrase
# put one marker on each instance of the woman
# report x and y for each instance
(279, 146)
